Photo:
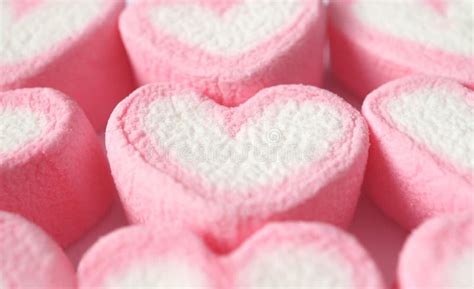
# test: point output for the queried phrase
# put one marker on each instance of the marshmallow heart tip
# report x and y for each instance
(29, 258)
(290, 152)
(49, 43)
(421, 157)
(374, 42)
(445, 247)
(284, 255)
(227, 51)
(51, 163)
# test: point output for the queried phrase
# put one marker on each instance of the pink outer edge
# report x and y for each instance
(363, 58)
(294, 55)
(61, 181)
(91, 66)
(112, 254)
(326, 190)
(405, 179)
(317, 235)
(431, 246)
(30, 258)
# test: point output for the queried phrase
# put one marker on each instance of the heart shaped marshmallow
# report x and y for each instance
(290, 152)
(29, 258)
(228, 50)
(286, 255)
(52, 168)
(445, 247)
(48, 43)
(421, 159)
(373, 42)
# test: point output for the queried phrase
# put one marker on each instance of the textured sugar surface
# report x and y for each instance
(295, 267)
(161, 273)
(265, 149)
(449, 28)
(459, 272)
(42, 27)
(439, 119)
(237, 30)
(30, 256)
(19, 126)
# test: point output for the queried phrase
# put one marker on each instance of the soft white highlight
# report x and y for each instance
(460, 272)
(291, 266)
(41, 28)
(239, 29)
(418, 21)
(161, 274)
(439, 119)
(19, 126)
(2, 283)
(267, 148)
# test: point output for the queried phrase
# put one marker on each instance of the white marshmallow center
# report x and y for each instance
(42, 27)
(18, 127)
(295, 267)
(460, 273)
(438, 119)
(267, 148)
(239, 29)
(164, 273)
(450, 29)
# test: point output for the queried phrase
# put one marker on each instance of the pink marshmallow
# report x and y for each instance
(286, 255)
(30, 259)
(52, 168)
(291, 152)
(228, 50)
(141, 257)
(421, 158)
(373, 42)
(73, 46)
(439, 254)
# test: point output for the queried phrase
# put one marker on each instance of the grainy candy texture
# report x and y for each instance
(290, 255)
(439, 254)
(73, 46)
(290, 152)
(421, 159)
(228, 50)
(52, 168)
(30, 259)
(373, 42)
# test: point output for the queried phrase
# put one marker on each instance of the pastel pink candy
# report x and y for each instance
(439, 254)
(52, 168)
(421, 158)
(30, 259)
(72, 46)
(228, 50)
(286, 255)
(290, 152)
(373, 42)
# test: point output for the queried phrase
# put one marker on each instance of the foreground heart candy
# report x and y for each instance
(73, 46)
(439, 254)
(290, 152)
(29, 258)
(52, 168)
(287, 255)
(228, 50)
(373, 42)
(421, 159)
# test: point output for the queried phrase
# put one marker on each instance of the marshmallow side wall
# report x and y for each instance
(420, 159)
(59, 178)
